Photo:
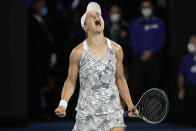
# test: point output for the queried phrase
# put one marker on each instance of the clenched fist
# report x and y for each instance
(133, 112)
(60, 111)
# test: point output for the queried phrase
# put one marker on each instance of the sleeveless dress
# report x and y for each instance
(98, 96)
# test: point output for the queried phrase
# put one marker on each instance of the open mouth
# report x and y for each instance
(98, 23)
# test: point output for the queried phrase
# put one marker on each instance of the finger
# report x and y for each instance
(60, 112)
(133, 114)
(61, 115)
(130, 114)
(136, 112)
(57, 111)
(62, 109)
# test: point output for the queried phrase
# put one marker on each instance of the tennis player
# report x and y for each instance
(98, 61)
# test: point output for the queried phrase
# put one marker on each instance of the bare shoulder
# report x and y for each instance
(76, 53)
(117, 49)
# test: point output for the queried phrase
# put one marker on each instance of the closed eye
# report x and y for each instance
(98, 14)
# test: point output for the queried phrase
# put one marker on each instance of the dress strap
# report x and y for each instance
(109, 43)
(85, 47)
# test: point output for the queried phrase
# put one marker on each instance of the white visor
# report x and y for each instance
(92, 6)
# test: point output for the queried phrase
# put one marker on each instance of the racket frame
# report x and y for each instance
(167, 106)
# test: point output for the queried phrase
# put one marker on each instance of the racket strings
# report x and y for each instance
(150, 109)
(154, 113)
(158, 108)
(142, 106)
(152, 106)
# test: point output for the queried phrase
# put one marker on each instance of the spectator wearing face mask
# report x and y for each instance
(39, 49)
(187, 81)
(147, 34)
(117, 29)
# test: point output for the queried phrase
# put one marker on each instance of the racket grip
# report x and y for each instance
(125, 114)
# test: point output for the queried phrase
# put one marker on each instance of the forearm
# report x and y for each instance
(68, 90)
(180, 82)
(124, 91)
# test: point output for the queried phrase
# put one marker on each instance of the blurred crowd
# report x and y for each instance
(54, 30)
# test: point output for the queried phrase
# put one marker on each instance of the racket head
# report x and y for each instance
(153, 106)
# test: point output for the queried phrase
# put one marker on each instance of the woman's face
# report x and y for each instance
(94, 22)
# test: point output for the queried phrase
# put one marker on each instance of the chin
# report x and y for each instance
(99, 31)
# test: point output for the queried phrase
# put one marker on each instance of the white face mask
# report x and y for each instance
(147, 12)
(191, 48)
(115, 17)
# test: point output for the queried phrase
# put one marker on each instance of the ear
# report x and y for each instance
(85, 28)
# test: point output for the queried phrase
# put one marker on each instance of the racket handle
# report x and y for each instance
(125, 114)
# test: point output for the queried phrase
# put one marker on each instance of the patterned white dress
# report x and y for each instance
(98, 107)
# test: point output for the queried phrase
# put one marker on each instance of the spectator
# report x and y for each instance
(187, 81)
(39, 43)
(147, 40)
(117, 30)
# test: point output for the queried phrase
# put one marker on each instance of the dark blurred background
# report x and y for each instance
(35, 53)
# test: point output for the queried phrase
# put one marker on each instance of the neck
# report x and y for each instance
(96, 39)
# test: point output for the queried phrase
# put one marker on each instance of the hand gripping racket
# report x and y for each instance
(152, 106)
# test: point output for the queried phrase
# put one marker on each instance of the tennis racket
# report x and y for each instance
(152, 106)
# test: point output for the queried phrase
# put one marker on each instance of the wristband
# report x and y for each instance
(63, 103)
